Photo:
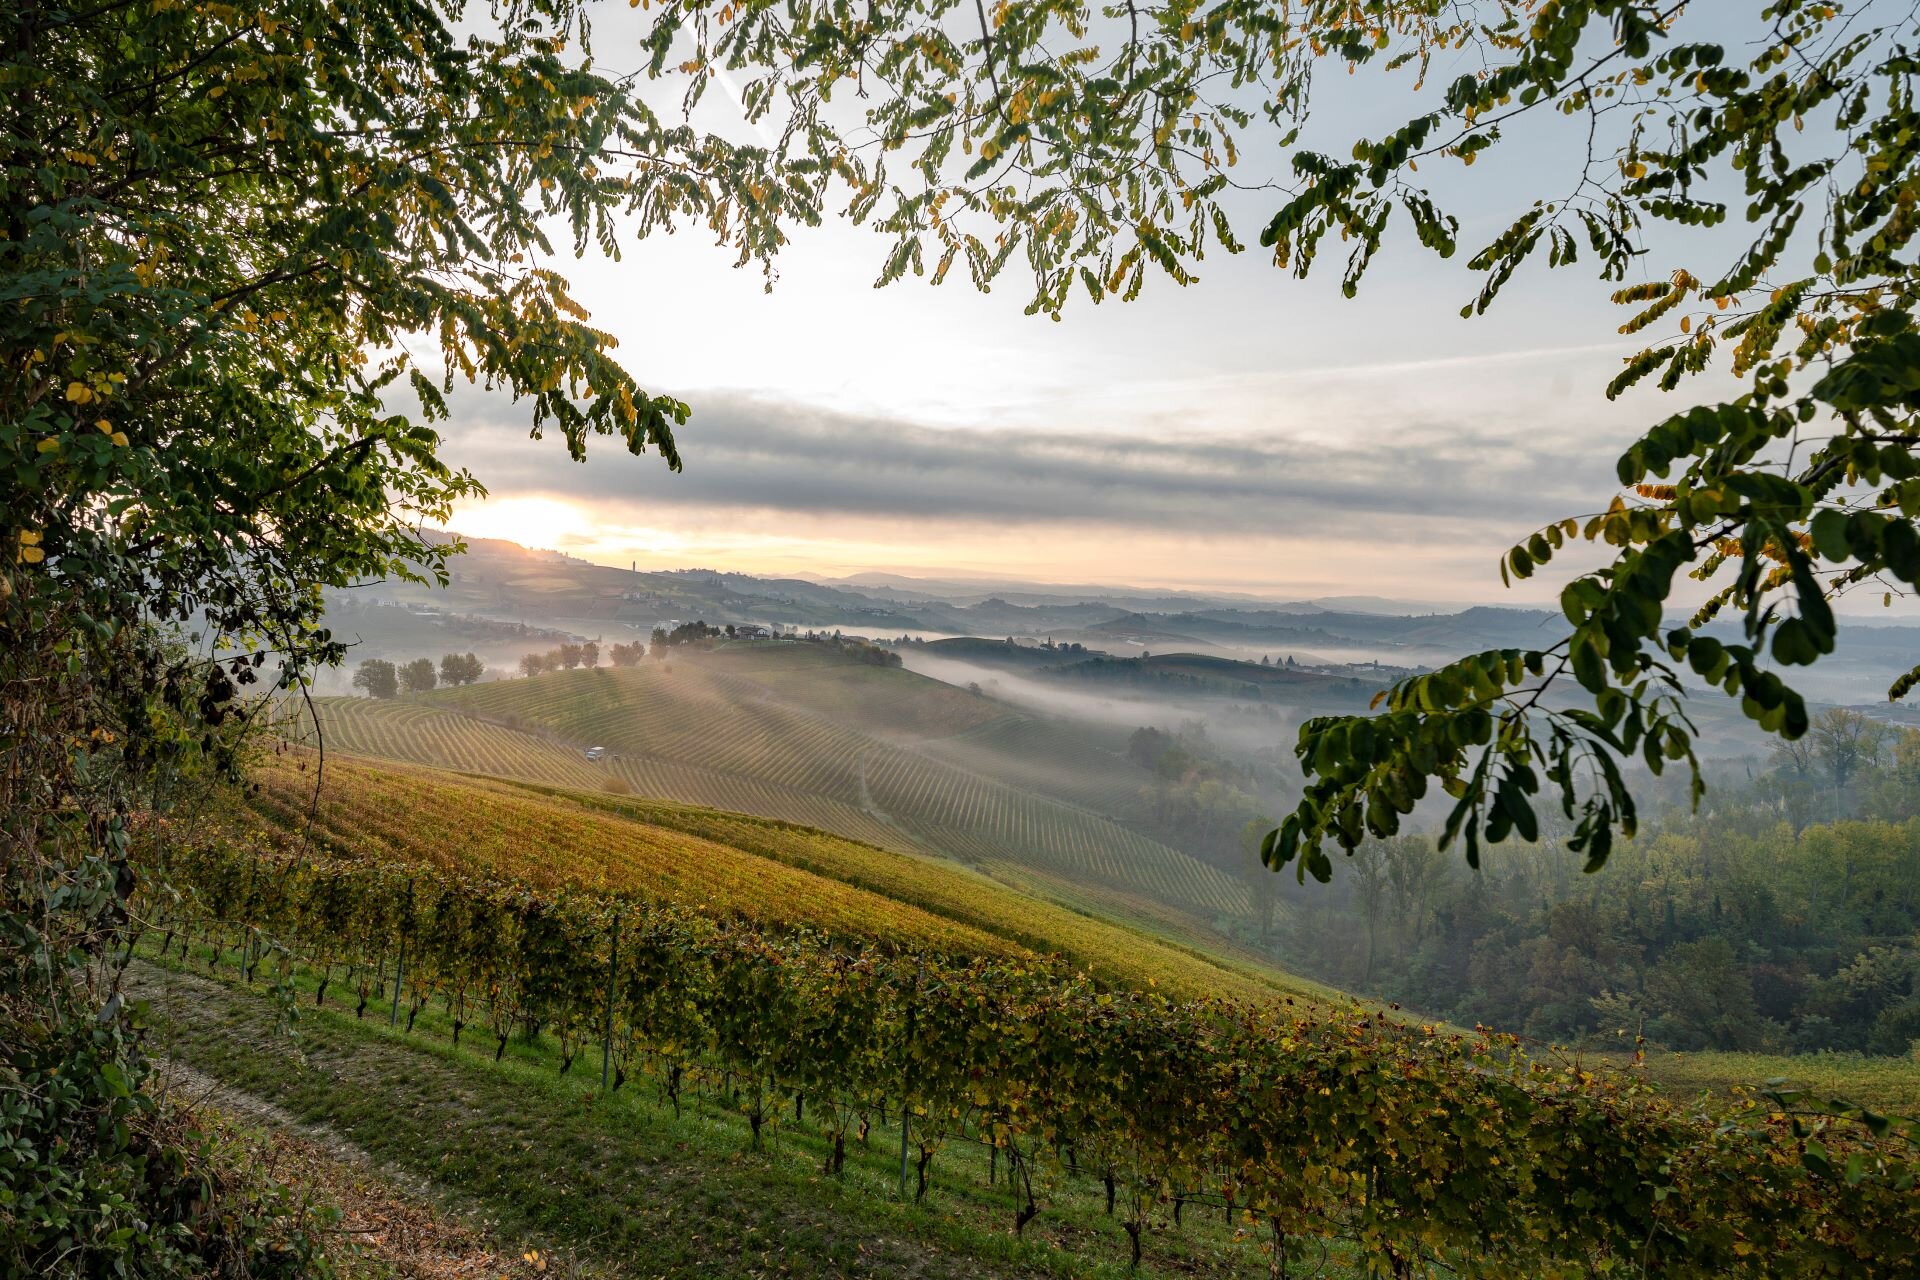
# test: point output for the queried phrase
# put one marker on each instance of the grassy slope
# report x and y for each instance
(845, 735)
(803, 719)
(801, 733)
(1890, 1084)
(765, 870)
(628, 1187)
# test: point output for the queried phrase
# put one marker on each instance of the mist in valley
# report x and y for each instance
(1244, 727)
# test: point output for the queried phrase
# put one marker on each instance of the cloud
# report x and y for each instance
(752, 455)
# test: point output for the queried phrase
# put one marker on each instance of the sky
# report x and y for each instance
(1251, 433)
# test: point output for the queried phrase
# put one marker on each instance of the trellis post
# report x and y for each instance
(906, 1107)
(613, 974)
(400, 967)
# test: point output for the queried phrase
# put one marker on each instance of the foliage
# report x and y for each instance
(687, 633)
(770, 872)
(227, 232)
(418, 676)
(1423, 1149)
(1801, 490)
(95, 1178)
(460, 669)
(380, 678)
(1739, 927)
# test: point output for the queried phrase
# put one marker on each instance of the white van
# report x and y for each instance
(596, 753)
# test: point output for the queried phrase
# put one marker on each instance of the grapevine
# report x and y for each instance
(1425, 1150)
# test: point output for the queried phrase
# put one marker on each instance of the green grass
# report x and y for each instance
(1885, 1084)
(623, 1182)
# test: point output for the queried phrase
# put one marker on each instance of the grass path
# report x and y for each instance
(390, 1227)
(620, 1185)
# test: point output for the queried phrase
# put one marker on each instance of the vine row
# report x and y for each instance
(1429, 1151)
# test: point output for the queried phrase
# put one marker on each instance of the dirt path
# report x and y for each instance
(389, 1218)
(404, 1128)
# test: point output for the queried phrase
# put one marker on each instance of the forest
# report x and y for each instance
(1783, 916)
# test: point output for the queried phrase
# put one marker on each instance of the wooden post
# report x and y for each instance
(906, 1122)
(399, 976)
(400, 968)
(613, 974)
(906, 1108)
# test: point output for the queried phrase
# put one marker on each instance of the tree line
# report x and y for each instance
(384, 679)
(1782, 917)
(571, 656)
(697, 634)
(568, 656)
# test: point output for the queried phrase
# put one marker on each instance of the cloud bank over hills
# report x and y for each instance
(784, 487)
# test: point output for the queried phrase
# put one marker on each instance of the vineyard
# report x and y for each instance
(885, 701)
(408, 817)
(792, 732)
(769, 872)
(984, 822)
(414, 732)
(1419, 1152)
(1055, 760)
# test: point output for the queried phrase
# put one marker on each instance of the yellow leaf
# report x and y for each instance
(79, 392)
(49, 445)
(119, 439)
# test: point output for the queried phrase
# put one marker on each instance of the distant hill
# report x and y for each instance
(501, 582)
(1196, 674)
(999, 653)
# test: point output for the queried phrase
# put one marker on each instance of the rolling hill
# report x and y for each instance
(1190, 674)
(769, 872)
(804, 734)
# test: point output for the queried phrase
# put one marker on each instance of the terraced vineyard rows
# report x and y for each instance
(417, 734)
(983, 821)
(1055, 761)
(717, 736)
(681, 715)
(769, 871)
(692, 784)
(411, 816)
(887, 701)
